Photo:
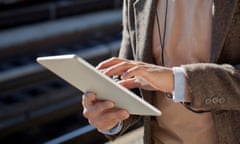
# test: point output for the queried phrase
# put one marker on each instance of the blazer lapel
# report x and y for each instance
(224, 10)
(144, 18)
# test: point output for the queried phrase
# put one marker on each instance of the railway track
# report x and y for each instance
(35, 105)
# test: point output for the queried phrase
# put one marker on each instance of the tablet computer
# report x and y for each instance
(82, 75)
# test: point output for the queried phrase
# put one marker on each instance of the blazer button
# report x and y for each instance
(208, 101)
(215, 100)
(222, 100)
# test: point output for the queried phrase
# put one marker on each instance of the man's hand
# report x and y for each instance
(102, 114)
(139, 74)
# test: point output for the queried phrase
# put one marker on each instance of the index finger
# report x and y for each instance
(110, 62)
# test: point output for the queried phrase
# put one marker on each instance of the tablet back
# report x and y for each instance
(85, 77)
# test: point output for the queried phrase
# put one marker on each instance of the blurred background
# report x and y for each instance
(35, 105)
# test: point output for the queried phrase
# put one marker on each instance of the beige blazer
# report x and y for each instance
(213, 86)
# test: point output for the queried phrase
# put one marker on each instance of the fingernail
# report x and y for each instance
(88, 93)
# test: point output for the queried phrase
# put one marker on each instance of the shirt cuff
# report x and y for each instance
(179, 84)
(112, 131)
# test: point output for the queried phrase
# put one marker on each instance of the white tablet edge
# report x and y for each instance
(48, 62)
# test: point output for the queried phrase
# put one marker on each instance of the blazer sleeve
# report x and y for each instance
(213, 86)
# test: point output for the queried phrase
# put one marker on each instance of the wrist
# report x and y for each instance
(169, 81)
(116, 129)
